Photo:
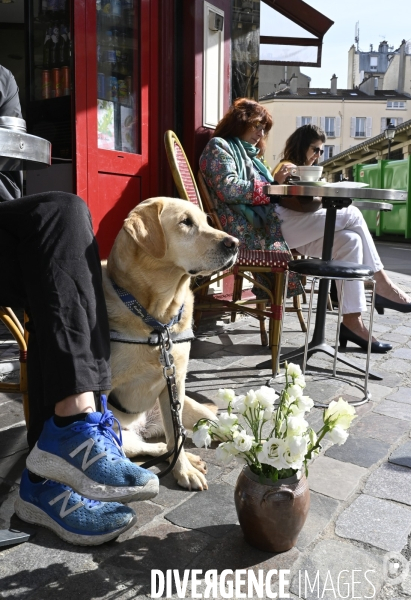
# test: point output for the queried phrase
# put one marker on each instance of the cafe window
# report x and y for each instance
(117, 74)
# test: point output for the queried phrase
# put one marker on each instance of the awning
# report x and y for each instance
(308, 18)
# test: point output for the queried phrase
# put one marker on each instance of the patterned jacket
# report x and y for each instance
(219, 169)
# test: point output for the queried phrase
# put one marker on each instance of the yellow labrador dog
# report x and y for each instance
(163, 243)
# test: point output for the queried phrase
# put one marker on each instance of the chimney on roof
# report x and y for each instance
(333, 89)
(401, 68)
(383, 47)
(293, 83)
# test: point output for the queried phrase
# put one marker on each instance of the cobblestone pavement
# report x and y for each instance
(355, 544)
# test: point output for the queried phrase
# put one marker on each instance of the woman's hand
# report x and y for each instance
(284, 173)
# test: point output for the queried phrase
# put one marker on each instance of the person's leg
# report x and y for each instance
(55, 270)
(347, 246)
(43, 502)
(53, 267)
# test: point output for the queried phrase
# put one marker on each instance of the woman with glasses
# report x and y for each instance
(235, 172)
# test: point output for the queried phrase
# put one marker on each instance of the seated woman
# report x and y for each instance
(235, 175)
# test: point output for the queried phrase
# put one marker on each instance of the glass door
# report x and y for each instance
(49, 74)
(117, 75)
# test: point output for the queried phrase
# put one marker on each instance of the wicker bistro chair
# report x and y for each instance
(20, 335)
(248, 263)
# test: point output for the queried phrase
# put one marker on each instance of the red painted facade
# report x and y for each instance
(170, 72)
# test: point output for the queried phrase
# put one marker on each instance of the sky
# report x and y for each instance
(378, 20)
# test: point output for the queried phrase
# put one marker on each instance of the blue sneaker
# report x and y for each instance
(75, 519)
(87, 456)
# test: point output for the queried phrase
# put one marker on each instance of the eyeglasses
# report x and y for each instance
(319, 151)
(259, 128)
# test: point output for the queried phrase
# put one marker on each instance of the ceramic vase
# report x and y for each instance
(271, 514)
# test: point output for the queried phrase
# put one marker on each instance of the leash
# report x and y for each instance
(162, 337)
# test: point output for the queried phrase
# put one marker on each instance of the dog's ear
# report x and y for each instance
(144, 226)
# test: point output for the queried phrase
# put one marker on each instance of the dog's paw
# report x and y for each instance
(197, 462)
(191, 479)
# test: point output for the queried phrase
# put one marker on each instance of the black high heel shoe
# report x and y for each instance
(346, 335)
(381, 303)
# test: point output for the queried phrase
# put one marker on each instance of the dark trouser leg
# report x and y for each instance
(49, 263)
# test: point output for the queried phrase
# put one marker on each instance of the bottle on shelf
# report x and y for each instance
(116, 11)
(52, 9)
(117, 49)
(54, 47)
(46, 48)
(63, 50)
(62, 8)
(106, 7)
(123, 62)
(110, 57)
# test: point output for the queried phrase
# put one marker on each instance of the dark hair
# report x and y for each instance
(243, 114)
(296, 146)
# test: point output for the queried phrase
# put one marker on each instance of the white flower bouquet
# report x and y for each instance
(269, 432)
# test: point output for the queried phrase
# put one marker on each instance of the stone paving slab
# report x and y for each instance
(397, 365)
(396, 337)
(171, 493)
(321, 511)
(11, 410)
(11, 467)
(389, 379)
(402, 455)
(378, 391)
(331, 563)
(374, 521)
(235, 553)
(27, 568)
(363, 452)
(379, 427)
(203, 512)
(397, 410)
(403, 330)
(390, 481)
(13, 440)
(334, 478)
(403, 394)
(402, 353)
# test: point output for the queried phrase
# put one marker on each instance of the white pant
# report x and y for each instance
(352, 242)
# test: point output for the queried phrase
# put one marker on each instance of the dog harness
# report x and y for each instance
(164, 338)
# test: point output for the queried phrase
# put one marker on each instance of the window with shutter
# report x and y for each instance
(298, 122)
(330, 126)
(322, 123)
(352, 127)
(337, 126)
(314, 121)
(306, 120)
(368, 127)
(360, 127)
(383, 124)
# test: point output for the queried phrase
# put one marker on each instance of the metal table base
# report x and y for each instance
(334, 198)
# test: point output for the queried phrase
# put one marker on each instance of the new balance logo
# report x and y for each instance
(63, 510)
(87, 446)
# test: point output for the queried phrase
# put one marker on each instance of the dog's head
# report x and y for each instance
(177, 233)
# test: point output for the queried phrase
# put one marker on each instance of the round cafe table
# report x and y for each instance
(333, 198)
(19, 151)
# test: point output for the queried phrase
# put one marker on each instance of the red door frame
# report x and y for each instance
(90, 161)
